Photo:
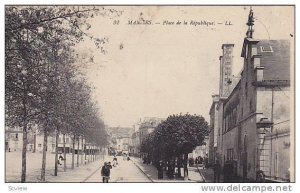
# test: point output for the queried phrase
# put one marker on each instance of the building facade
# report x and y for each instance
(226, 85)
(255, 128)
(35, 139)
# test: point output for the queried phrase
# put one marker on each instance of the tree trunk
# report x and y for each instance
(185, 171)
(81, 149)
(179, 166)
(24, 150)
(34, 142)
(77, 164)
(89, 154)
(44, 155)
(65, 158)
(56, 152)
(73, 151)
(92, 154)
(85, 152)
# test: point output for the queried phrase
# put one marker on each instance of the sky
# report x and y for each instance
(158, 70)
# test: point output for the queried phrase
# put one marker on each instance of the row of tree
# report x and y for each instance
(174, 139)
(43, 86)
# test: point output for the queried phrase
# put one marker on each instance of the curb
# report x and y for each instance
(141, 170)
(91, 174)
(204, 180)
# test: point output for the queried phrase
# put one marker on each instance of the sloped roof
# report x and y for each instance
(277, 62)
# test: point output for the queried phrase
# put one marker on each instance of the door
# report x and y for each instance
(244, 158)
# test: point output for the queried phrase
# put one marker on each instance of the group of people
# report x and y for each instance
(198, 161)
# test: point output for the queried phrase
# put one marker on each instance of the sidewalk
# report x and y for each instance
(78, 174)
(151, 172)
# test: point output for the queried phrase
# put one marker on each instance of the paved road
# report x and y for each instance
(125, 171)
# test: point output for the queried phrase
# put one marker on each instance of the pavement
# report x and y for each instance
(125, 171)
(151, 172)
(13, 166)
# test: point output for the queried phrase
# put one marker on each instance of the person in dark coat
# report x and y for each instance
(105, 172)
(217, 171)
(160, 170)
(206, 162)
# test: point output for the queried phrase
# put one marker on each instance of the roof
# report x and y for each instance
(276, 63)
(227, 45)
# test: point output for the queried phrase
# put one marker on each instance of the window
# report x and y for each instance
(256, 62)
(254, 51)
(39, 145)
(67, 140)
(16, 136)
(266, 49)
(230, 154)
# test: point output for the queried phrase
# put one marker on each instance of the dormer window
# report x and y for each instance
(266, 48)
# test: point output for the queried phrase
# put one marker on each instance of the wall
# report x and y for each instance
(280, 156)
(281, 107)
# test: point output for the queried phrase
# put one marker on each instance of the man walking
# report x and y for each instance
(105, 172)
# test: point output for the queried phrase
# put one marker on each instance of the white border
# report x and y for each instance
(124, 187)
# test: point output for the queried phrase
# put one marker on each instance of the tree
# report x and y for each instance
(176, 136)
(39, 39)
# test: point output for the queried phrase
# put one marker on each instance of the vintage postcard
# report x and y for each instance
(157, 93)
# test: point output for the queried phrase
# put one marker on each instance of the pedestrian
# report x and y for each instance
(206, 162)
(109, 165)
(217, 171)
(105, 172)
(60, 158)
(115, 161)
(260, 176)
(196, 161)
(160, 170)
(148, 159)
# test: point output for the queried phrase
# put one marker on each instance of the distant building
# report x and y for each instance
(35, 139)
(142, 129)
(212, 144)
(148, 126)
(120, 138)
(135, 138)
(201, 150)
(13, 139)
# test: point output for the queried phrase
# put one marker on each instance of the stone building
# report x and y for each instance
(226, 85)
(255, 129)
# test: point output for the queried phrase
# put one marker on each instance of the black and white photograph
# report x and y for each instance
(149, 93)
